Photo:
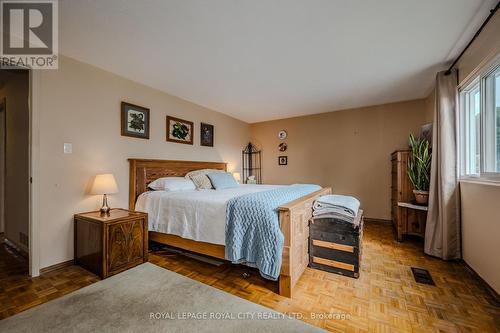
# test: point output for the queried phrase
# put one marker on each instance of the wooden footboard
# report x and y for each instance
(294, 223)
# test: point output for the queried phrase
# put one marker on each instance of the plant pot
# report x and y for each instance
(421, 197)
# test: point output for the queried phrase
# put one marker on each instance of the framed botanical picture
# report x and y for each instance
(282, 160)
(206, 135)
(179, 130)
(134, 121)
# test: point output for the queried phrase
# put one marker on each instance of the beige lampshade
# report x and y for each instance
(104, 184)
(237, 176)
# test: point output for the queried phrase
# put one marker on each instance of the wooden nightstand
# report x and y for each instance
(107, 245)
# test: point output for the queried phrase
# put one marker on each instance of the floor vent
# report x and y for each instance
(422, 276)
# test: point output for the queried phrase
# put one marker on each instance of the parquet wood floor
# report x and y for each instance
(19, 292)
(384, 299)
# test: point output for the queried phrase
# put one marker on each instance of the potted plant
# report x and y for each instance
(419, 168)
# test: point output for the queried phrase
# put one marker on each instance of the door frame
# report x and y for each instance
(34, 166)
(3, 101)
(34, 170)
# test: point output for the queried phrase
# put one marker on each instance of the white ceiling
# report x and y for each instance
(268, 59)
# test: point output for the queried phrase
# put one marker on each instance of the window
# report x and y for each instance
(492, 122)
(471, 129)
(480, 126)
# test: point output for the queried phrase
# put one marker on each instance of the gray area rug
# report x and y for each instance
(148, 298)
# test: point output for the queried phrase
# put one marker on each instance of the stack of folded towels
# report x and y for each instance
(340, 207)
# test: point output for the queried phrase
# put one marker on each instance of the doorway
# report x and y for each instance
(15, 168)
(2, 167)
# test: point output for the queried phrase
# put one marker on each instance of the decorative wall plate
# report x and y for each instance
(282, 146)
(282, 134)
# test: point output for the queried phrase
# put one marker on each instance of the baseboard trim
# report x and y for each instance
(55, 267)
(495, 296)
(369, 219)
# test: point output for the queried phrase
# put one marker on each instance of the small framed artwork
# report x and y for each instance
(134, 121)
(206, 135)
(179, 130)
(282, 160)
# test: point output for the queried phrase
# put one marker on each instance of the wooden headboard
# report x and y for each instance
(143, 172)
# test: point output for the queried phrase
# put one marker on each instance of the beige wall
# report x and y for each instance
(348, 150)
(15, 88)
(486, 45)
(430, 106)
(80, 104)
(480, 209)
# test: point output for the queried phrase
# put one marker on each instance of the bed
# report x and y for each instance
(191, 234)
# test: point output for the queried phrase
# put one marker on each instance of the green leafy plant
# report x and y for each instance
(419, 165)
(180, 131)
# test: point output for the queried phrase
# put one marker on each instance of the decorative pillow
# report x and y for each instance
(222, 180)
(200, 179)
(172, 184)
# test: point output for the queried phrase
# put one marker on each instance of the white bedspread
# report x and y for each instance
(195, 215)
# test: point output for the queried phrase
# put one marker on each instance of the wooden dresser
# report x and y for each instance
(406, 220)
(107, 245)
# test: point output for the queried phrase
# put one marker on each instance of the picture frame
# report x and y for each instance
(206, 135)
(135, 121)
(282, 160)
(179, 130)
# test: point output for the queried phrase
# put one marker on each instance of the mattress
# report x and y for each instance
(195, 215)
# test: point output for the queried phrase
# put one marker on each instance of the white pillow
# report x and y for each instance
(172, 184)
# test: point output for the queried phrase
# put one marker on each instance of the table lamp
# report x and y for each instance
(104, 184)
(237, 176)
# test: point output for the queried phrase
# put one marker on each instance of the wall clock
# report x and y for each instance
(282, 134)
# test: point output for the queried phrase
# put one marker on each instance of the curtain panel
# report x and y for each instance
(442, 233)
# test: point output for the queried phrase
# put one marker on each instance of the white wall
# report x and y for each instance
(80, 104)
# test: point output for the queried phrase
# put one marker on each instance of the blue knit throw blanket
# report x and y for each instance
(253, 234)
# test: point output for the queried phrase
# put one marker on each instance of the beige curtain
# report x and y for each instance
(442, 233)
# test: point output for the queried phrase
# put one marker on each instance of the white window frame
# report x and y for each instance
(478, 79)
(464, 125)
(488, 149)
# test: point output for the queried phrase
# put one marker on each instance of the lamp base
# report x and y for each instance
(105, 208)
